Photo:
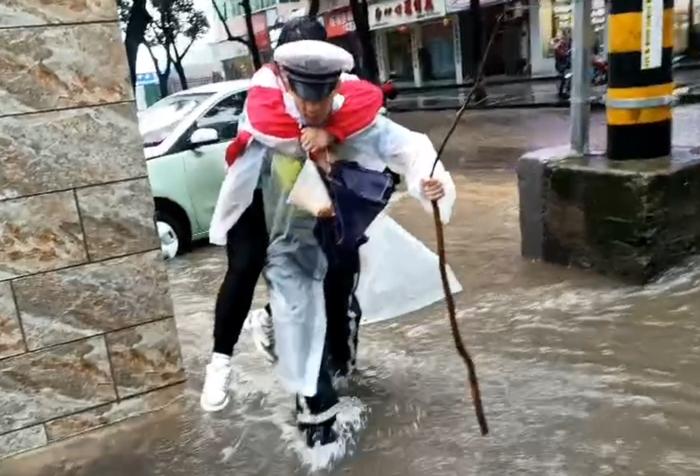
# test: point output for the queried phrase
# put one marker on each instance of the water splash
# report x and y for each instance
(351, 419)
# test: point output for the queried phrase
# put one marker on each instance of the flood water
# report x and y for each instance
(580, 375)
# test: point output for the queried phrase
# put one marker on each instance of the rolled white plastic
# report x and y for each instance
(310, 193)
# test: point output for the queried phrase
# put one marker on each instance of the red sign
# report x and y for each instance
(262, 37)
(339, 22)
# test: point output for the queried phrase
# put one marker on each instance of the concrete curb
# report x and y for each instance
(514, 105)
(684, 99)
(516, 80)
(470, 84)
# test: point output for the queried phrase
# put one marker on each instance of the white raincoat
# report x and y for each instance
(295, 268)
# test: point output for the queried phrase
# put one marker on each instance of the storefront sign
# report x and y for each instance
(339, 22)
(262, 37)
(652, 33)
(395, 13)
(457, 5)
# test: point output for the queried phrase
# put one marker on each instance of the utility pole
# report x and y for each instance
(691, 30)
(369, 67)
(581, 81)
(640, 83)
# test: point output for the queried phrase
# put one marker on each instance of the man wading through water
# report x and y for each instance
(247, 239)
(310, 78)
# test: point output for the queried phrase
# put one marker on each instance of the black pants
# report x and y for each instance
(343, 312)
(562, 66)
(246, 249)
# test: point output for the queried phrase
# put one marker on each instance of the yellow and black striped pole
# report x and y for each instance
(640, 83)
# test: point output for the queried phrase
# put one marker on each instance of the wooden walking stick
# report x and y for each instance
(456, 335)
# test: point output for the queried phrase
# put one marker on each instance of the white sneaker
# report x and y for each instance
(216, 383)
(263, 333)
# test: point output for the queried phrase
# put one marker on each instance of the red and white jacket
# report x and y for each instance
(270, 120)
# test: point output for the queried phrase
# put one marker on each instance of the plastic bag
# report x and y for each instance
(310, 193)
(398, 274)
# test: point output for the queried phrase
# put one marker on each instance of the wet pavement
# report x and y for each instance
(525, 93)
(580, 375)
(536, 93)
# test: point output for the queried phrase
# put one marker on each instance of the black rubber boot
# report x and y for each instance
(319, 434)
(316, 415)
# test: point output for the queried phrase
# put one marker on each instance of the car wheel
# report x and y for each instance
(172, 235)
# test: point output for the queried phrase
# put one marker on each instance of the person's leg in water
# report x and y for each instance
(343, 311)
(316, 415)
(342, 307)
(297, 302)
(246, 250)
(343, 314)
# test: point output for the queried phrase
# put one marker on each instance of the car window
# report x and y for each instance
(158, 121)
(224, 116)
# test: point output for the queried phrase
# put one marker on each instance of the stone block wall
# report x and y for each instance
(87, 335)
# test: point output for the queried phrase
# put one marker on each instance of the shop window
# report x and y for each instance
(437, 56)
(686, 26)
(399, 49)
(557, 16)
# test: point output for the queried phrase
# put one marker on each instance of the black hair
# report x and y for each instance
(302, 28)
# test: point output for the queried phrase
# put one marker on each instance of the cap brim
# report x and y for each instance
(312, 91)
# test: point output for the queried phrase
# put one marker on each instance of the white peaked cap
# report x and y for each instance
(313, 57)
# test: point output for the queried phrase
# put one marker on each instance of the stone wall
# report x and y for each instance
(86, 328)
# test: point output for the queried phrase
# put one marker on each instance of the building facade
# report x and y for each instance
(416, 41)
(430, 42)
(268, 18)
(549, 17)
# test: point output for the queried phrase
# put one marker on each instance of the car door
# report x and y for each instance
(205, 165)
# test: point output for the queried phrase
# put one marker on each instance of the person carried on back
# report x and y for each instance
(311, 89)
(244, 232)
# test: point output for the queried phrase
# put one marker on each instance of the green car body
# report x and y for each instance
(185, 140)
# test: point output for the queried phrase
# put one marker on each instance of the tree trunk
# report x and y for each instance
(181, 74)
(163, 84)
(314, 7)
(369, 69)
(252, 44)
(477, 44)
(163, 75)
(477, 34)
(135, 31)
(176, 60)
